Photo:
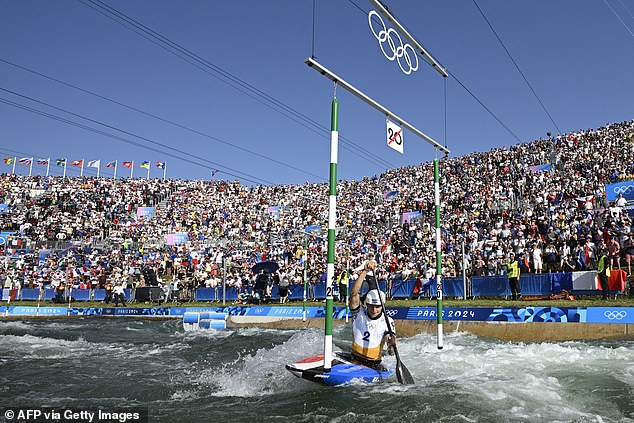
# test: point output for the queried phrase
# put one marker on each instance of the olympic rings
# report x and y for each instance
(624, 189)
(615, 315)
(391, 312)
(397, 50)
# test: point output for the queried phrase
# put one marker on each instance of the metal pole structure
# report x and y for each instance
(433, 62)
(464, 274)
(9, 298)
(39, 298)
(348, 87)
(6, 261)
(305, 275)
(347, 285)
(70, 296)
(438, 257)
(224, 280)
(332, 231)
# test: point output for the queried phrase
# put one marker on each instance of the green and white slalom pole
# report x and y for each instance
(347, 286)
(438, 257)
(305, 274)
(332, 231)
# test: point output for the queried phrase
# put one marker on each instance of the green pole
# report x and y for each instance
(305, 274)
(332, 231)
(438, 257)
(347, 285)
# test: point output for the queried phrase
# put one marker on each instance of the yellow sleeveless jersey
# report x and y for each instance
(368, 334)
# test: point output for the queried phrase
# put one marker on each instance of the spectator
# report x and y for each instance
(119, 295)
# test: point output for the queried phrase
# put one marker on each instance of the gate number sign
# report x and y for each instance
(394, 136)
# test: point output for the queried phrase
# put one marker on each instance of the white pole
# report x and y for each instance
(439, 293)
(464, 274)
(224, 279)
(305, 275)
(347, 286)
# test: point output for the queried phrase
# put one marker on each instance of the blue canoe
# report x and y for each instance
(343, 370)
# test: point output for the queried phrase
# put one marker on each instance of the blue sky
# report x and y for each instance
(245, 103)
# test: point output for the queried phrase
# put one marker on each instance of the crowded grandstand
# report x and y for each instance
(547, 201)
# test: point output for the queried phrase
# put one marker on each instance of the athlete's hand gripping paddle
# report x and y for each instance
(402, 373)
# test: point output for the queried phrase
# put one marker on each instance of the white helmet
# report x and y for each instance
(373, 297)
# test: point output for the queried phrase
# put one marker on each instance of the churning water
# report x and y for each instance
(239, 375)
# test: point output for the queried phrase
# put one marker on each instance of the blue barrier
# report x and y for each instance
(535, 284)
(99, 294)
(624, 315)
(205, 294)
(490, 286)
(542, 284)
(319, 290)
(81, 294)
(30, 294)
(49, 294)
(296, 292)
(402, 289)
(275, 292)
(560, 281)
(452, 287)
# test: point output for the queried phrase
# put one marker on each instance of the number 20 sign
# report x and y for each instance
(394, 136)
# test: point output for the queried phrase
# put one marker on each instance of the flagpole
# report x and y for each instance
(81, 172)
(98, 167)
(15, 159)
(148, 170)
(31, 167)
(132, 169)
(48, 166)
(116, 162)
(164, 170)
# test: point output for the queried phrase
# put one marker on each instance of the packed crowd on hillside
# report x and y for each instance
(493, 203)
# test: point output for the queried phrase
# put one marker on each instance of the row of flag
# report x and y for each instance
(91, 163)
(28, 161)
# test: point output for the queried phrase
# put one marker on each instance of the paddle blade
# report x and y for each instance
(403, 375)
